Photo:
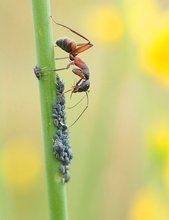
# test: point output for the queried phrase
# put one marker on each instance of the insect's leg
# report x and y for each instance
(65, 68)
(61, 58)
(78, 82)
(38, 71)
(82, 48)
(78, 72)
(75, 32)
(81, 44)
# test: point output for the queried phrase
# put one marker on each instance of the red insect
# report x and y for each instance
(71, 47)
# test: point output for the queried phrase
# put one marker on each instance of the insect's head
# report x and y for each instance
(82, 87)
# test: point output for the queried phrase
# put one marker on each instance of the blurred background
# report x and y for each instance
(120, 169)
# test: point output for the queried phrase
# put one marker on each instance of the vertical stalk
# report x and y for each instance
(45, 59)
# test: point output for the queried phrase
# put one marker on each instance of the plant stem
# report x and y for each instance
(45, 59)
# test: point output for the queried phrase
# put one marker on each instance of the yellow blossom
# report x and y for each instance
(155, 56)
(105, 23)
(166, 174)
(158, 137)
(149, 27)
(142, 19)
(20, 163)
(146, 206)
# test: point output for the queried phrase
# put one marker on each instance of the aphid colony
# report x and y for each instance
(61, 146)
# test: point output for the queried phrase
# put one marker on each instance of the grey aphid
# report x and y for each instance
(55, 111)
(61, 113)
(38, 72)
(58, 146)
(61, 99)
(61, 88)
(66, 132)
(66, 177)
(64, 127)
(55, 105)
(65, 142)
(59, 107)
(70, 153)
(54, 115)
(63, 107)
(56, 122)
(62, 158)
(62, 169)
(67, 161)
(59, 132)
(65, 154)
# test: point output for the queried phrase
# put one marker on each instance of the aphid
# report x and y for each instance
(66, 177)
(38, 72)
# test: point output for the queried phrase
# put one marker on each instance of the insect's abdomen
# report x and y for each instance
(66, 44)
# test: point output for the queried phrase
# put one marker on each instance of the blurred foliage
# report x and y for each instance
(121, 144)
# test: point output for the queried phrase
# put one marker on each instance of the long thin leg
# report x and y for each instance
(65, 68)
(61, 58)
(81, 44)
(81, 112)
(78, 73)
(70, 29)
(82, 48)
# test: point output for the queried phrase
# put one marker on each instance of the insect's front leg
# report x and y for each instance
(39, 71)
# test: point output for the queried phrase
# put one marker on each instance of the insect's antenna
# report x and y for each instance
(71, 95)
(77, 103)
(72, 90)
(67, 91)
(82, 111)
(70, 29)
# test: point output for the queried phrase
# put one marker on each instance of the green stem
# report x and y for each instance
(45, 58)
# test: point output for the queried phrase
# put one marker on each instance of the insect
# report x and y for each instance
(71, 47)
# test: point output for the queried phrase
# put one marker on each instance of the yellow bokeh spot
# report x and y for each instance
(147, 206)
(158, 137)
(166, 174)
(142, 18)
(155, 57)
(20, 164)
(105, 23)
(148, 25)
